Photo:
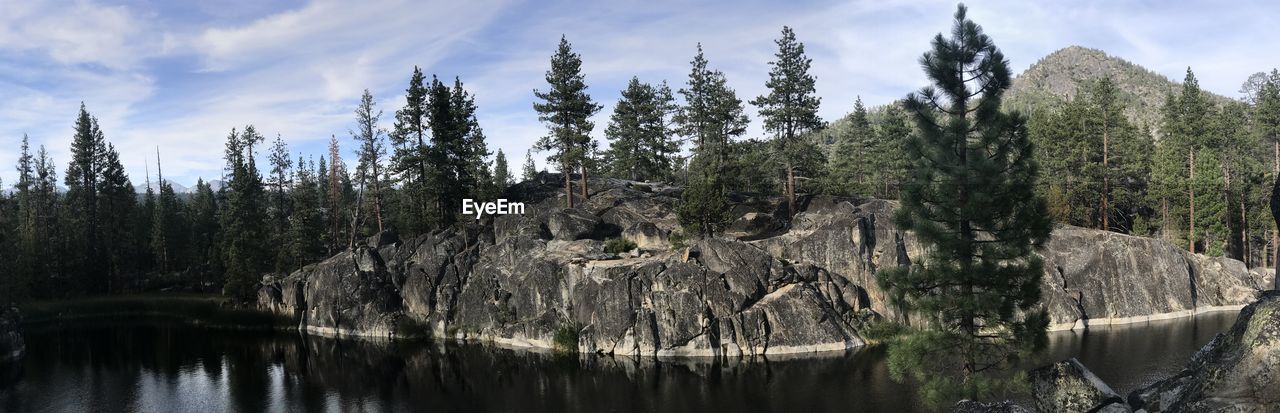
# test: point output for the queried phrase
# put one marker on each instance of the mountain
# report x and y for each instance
(178, 188)
(1057, 76)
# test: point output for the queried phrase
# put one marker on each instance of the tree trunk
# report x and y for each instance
(1106, 177)
(568, 187)
(1244, 234)
(583, 181)
(791, 191)
(1191, 194)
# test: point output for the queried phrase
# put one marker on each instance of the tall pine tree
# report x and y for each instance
(711, 117)
(566, 109)
(641, 141)
(790, 110)
(970, 202)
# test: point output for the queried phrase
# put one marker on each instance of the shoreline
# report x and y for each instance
(1085, 323)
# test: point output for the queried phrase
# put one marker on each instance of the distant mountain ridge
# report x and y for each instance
(177, 187)
(1057, 76)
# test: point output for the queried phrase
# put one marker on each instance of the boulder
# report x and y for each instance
(970, 406)
(801, 284)
(571, 224)
(12, 346)
(1237, 372)
(1069, 387)
(647, 236)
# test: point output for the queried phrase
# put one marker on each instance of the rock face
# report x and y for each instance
(1238, 371)
(1069, 387)
(801, 285)
(12, 346)
(970, 406)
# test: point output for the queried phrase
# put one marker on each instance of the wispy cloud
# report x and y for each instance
(179, 76)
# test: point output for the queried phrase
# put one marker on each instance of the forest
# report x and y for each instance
(1198, 175)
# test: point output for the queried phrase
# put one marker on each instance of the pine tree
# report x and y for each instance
(164, 222)
(530, 170)
(849, 169)
(46, 207)
(339, 199)
(410, 138)
(306, 226)
(469, 161)
(566, 109)
(81, 180)
(369, 172)
(641, 142)
(501, 171)
(888, 164)
(206, 256)
(27, 233)
(970, 202)
(1184, 126)
(278, 210)
(244, 218)
(117, 203)
(790, 110)
(711, 117)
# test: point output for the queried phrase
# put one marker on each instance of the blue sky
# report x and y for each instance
(180, 75)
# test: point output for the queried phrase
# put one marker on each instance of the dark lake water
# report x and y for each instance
(125, 367)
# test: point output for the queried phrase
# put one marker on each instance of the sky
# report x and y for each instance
(176, 77)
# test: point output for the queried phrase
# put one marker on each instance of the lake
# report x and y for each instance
(134, 367)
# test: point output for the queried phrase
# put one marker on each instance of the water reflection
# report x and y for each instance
(124, 367)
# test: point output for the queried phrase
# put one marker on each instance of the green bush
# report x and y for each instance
(618, 245)
(882, 330)
(566, 339)
(678, 240)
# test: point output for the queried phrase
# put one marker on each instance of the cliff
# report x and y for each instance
(544, 279)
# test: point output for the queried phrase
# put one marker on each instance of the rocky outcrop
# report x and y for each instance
(12, 346)
(1069, 387)
(970, 406)
(799, 285)
(1238, 371)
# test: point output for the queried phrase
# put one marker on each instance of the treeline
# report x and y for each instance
(1199, 178)
(98, 236)
(1196, 178)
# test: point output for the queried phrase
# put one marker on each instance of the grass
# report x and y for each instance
(197, 309)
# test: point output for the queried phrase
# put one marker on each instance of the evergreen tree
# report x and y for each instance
(501, 171)
(642, 145)
(790, 110)
(849, 169)
(970, 202)
(164, 223)
(530, 170)
(566, 109)
(278, 210)
(470, 153)
(45, 233)
(369, 172)
(306, 226)
(711, 117)
(1185, 130)
(410, 161)
(338, 203)
(888, 165)
(81, 179)
(117, 202)
(26, 236)
(206, 256)
(244, 219)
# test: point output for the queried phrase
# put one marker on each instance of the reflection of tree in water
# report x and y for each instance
(130, 368)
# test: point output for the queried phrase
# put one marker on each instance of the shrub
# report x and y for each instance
(618, 245)
(566, 339)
